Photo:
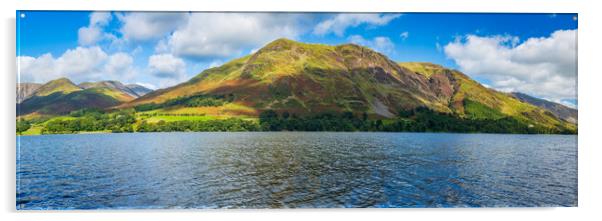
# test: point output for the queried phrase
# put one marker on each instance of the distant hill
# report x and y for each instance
(559, 110)
(112, 85)
(138, 89)
(61, 85)
(133, 90)
(306, 79)
(25, 90)
(61, 96)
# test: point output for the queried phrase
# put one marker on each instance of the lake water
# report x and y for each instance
(295, 169)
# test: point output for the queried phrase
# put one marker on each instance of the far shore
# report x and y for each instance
(427, 132)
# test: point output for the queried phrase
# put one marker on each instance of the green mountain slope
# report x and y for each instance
(62, 96)
(61, 85)
(308, 79)
(114, 88)
(467, 98)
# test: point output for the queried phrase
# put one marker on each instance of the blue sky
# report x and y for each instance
(531, 53)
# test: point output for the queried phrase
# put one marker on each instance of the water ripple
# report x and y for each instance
(295, 170)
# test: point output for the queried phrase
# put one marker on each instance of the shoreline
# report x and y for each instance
(407, 132)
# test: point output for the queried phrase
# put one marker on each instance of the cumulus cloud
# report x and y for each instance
(339, 23)
(380, 43)
(120, 63)
(143, 26)
(79, 64)
(543, 67)
(210, 35)
(93, 33)
(166, 66)
(88, 35)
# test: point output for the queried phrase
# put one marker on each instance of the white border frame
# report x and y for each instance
(589, 78)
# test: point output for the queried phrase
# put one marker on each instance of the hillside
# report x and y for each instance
(125, 93)
(559, 110)
(61, 96)
(308, 79)
(470, 99)
(61, 85)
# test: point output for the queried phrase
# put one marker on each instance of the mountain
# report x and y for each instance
(306, 79)
(61, 85)
(138, 89)
(113, 85)
(133, 90)
(25, 90)
(559, 110)
(61, 96)
(467, 98)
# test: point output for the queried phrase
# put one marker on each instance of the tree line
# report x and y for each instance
(416, 120)
(191, 101)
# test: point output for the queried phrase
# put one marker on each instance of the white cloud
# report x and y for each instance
(380, 43)
(81, 60)
(120, 64)
(100, 18)
(210, 35)
(142, 26)
(543, 67)
(404, 35)
(339, 23)
(93, 32)
(78, 64)
(40, 69)
(162, 47)
(166, 66)
(88, 35)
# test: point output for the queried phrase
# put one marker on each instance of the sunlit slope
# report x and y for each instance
(61, 85)
(114, 89)
(61, 96)
(306, 79)
(468, 98)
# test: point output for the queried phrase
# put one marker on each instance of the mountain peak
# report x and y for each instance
(61, 80)
(107, 83)
(284, 41)
(139, 89)
(62, 85)
(279, 45)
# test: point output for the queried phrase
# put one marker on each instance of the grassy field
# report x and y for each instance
(154, 116)
(33, 130)
(155, 119)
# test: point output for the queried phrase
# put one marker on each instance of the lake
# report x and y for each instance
(295, 170)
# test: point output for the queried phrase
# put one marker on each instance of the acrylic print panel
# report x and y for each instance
(151, 110)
